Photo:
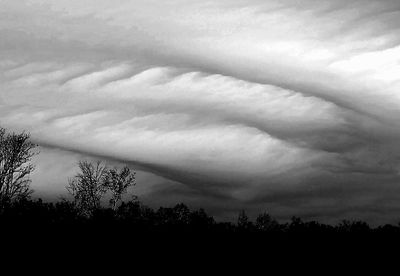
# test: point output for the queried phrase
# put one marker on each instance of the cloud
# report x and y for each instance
(286, 105)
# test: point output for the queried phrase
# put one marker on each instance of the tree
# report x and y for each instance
(200, 220)
(353, 226)
(297, 225)
(16, 152)
(118, 182)
(243, 222)
(182, 213)
(88, 186)
(265, 222)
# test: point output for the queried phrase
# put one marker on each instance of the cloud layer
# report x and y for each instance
(289, 106)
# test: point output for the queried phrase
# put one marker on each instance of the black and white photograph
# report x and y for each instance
(232, 117)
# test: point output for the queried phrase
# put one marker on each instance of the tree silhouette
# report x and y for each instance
(16, 152)
(347, 226)
(118, 182)
(88, 186)
(199, 220)
(182, 213)
(243, 222)
(265, 222)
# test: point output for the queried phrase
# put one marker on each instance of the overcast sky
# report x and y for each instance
(291, 107)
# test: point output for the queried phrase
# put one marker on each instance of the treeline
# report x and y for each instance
(95, 181)
(135, 216)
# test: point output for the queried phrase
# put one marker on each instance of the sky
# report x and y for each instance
(290, 107)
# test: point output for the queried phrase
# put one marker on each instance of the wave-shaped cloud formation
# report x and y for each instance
(290, 106)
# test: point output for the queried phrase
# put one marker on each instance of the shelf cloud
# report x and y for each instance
(287, 106)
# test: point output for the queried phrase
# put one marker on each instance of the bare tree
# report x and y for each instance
(88, 186)
(118, 182)
(16, 152)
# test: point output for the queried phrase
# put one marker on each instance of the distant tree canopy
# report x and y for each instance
(16, 152)
(134, 216)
